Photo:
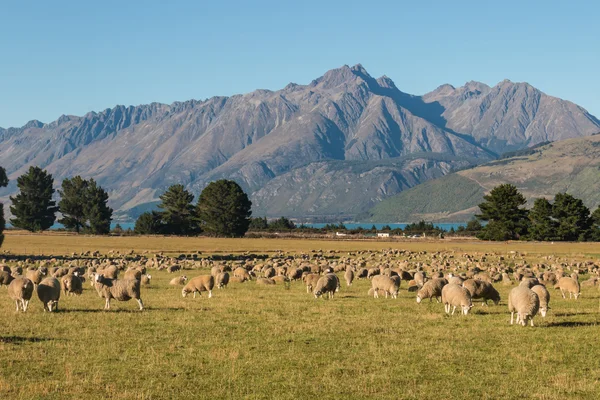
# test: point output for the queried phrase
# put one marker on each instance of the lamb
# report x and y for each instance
(328, 283)
(202, 283)
(71, 284)
(222, 280)
(5, 278)
(544, 297)
(482, 290)
(390, 285)
(431, 289)
(48, 291)
(36, 275)
(120, 289)
(180, 280)
(349, 276)
(525, 303)
(21, 290)
(570, 285)
(311, 281)
(454, 296)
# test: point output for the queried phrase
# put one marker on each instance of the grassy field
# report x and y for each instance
(278, 342)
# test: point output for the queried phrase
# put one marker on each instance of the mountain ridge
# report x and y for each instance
(255, 138)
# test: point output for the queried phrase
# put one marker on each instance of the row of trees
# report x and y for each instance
(223, 209)
(83, 204)
(566, 218)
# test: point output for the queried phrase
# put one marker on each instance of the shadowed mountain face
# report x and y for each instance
(344, 134)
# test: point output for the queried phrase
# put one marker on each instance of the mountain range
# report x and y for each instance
(334, 147)
(571, 166)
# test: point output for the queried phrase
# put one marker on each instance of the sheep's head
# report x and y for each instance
(318, 294)
(543, 311)
(466, 308)
(184, 292)
(419, 299)
(43, 271)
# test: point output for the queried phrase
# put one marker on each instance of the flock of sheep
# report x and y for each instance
(452, 279)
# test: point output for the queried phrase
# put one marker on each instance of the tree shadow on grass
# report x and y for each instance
(22, 339)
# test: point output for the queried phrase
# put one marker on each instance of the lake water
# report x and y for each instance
(367, 225)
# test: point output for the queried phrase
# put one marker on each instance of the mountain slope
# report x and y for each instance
(266, 139)
(571, 166)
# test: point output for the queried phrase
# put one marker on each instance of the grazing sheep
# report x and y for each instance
(482, 290)
(21, 290)
(431, 289)
(349, 276)
(570, 285)
(146, 279)
(71, 284)
(311, 281)
(544, 298)
(269, 272)
(36, 275)
(457, 280)
(371, 292)
(529, 282)
(362, 273)
(16, 271)
(199, 284)
(242, 274)
(295, 274)
(222, 280)
(389, 285)
(119, 289)
(48, 291)
(180, 280)
(60, 272)
(265, 281)
(525, 303)
(6, 278)
(328, 283)
(454, 296)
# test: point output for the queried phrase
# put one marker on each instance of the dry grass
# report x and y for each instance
(259, 342)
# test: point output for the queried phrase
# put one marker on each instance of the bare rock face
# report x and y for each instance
(361, 136)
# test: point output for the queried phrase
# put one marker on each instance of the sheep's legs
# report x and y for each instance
(375, 294)
(107, 304)
(25, 304)
(140, 304)
(512, 316)
(453, 309)
(209, 294)
(194, 294)
(563, 294)
(17, 303)
(531, 320)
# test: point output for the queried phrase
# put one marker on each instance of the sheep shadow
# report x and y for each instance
(22, 339)
(570, 324)
(572, 314)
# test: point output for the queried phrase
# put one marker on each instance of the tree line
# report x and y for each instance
(565, 218)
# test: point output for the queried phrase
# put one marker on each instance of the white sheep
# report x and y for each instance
(146, 279)
(21, 290)
(525, 303)
(222, 279)
(328, 283)
(431, 289)
(311, 281)
(36, 275)
(202, 283)
(570, 285)
(390, 285)
(349, 276)
(71, 284)
(544, 297)
(454, 296)
(119, 289)
(48, 291)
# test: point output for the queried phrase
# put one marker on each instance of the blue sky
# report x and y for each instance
(71, 57)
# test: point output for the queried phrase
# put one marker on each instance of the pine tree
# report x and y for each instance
(543, 226)
(572, 218)
(97, 211)
(178, 215)
(72, 204)
(148, 223)
(595, 231)
(33, 208)
(503, 211)
(224, 209)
